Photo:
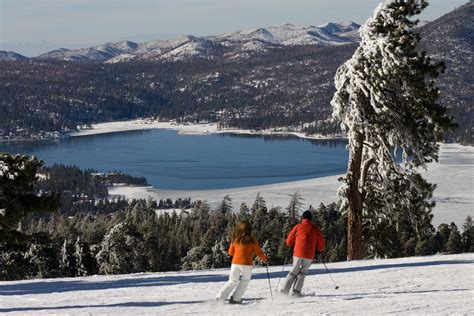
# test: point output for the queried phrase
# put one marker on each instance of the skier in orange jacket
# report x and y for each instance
(242, 249)
(306, 239)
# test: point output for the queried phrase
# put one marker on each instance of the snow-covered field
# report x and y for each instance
(454, 175)
(419, 285)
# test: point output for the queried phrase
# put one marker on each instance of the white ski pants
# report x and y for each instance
(239, 279)
(297, 274)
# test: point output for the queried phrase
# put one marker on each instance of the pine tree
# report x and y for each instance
(258, 217)
(454, 244)
(274, 237)
(121, 251)
(441, 237)
(468, 235)
(200, 221)
(296, 202)
(13, 263)
(425, 247)
(68, 259)
(194, 259)
(386, 102)
(220, 256)
(17, 177)
(43, 257)
(225, 206)
(85, 261)
(387, 230)
(244, 213)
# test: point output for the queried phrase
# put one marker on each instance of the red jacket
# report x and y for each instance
(306, 238)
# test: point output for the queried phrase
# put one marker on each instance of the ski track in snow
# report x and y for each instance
(418, 285)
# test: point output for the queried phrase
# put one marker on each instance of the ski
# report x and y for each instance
(303, 295)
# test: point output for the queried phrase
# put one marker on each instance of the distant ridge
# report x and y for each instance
(11, 56)
(233, 45)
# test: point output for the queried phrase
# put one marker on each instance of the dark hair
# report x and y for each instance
(242, 233)
(307, 215)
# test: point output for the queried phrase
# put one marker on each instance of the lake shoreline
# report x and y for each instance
(193, 129)
(453, 176)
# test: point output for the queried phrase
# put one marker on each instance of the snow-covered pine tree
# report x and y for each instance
(244, 213)
(17, 177)
(67, 261)
(386, 102)
(225, 206)
(85, 261)
(193, 259)
(386, 231)
(296, 202)
(121, 251)
(43, 257)
(220, 256)
(13, 263)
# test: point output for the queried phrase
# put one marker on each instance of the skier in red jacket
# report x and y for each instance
(306, 239)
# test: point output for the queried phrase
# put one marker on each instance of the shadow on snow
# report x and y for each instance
(70, 285)
(126, 304)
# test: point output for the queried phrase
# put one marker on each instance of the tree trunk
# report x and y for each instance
(355, 200)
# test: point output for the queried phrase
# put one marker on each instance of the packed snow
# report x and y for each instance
(417, 285)
(453, 174)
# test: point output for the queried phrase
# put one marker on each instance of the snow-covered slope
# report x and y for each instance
(11, 56)
(232, 44)
(97, 53)
(83, 54)
(291, 35)
(419, 285)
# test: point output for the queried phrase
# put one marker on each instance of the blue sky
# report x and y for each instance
(35, 26)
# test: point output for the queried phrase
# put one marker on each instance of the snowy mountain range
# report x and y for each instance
(276, 86)
(11, 56)
(231, 45)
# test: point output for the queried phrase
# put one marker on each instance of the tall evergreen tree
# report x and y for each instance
(43, 257)
(244, 213)
(85, 261)
(468, 235)
(386, 102)
(294, 208)
(441, 237)
(225, 206)
(121, 251)
(258, 217)
(454, 244)
(68, 259)
(17, 176)
(392, 231)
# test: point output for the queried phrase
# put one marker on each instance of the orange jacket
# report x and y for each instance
(243, 253)
(307, 238)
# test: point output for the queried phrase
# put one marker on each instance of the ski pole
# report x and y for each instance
(330, 275)
(283, 268)
(268, 276)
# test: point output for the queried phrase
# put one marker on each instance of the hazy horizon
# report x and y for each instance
(32, 27)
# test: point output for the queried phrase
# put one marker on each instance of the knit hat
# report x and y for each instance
(307, 215)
